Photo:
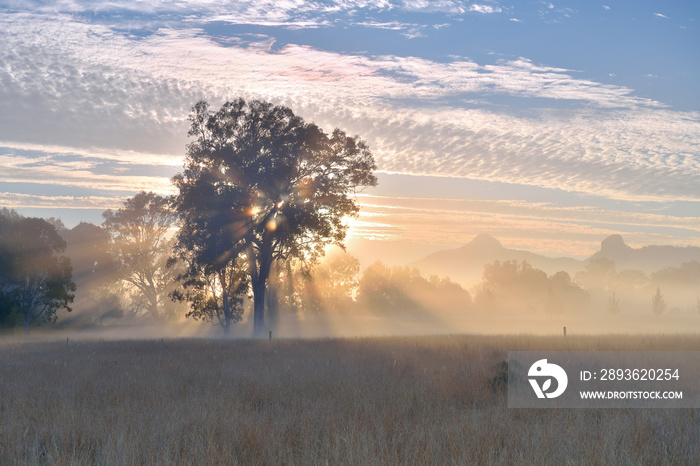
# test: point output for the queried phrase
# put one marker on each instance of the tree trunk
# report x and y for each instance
(290, 287)
(259, 308)
(27, 317)
(226, 324)
(272, 306)
(153, 302)
(259, 277)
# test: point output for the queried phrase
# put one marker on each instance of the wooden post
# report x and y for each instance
(564, 331)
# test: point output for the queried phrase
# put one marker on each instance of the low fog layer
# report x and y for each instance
(338, 298)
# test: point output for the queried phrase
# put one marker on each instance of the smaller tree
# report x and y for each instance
(141, 247)
(613, 304)
(518, 287)
(215, 280)
(658, 304)
(215, 293)
(404, 292)
(108, 307)
(329, 287)
(35, 278)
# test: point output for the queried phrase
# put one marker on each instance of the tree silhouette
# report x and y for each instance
(658, 303)
(329, 287)
(140, 246)
(613, 304)
(213, 284)
(35, 278)
(88, 248)
(513, 286)
(98, 289)
(260, 182)
(598, 272)
(108, 307)
(403, 292)
(335, 282)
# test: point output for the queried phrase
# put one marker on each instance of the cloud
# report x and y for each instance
(550, 13)
(408, 30)
(126, 157)
(56, 172)
(290, 14)
(606, 7)
(488, 9)
(390, 25)
(659, 15)
(617, 155)
(19, 201)
(111, 96)
(536, 226)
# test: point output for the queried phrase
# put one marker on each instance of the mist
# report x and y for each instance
(337, 298)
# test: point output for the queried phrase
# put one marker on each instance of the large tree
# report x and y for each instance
(141, 246)
(35, 277)
(270, 185)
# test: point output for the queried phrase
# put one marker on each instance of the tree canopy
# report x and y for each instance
(141, 247)
(35, 277)
(405, 292)
(261, 183)
(516, 286)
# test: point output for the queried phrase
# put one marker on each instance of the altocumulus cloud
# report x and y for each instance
(289, 13)
(14, 200)
(528, 225)
(56, 172)
(65, 82)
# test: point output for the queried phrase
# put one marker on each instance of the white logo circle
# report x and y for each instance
(546, 371)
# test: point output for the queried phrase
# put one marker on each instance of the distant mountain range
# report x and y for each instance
(648, 258)
(465, 264)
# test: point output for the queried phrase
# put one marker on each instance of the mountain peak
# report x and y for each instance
(485, 242)
(647, 258)
(465, 265)
(613, 244)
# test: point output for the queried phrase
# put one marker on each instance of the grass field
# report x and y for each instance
(403, 400)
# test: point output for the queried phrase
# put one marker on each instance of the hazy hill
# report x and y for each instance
(466, 264)
(648, 258)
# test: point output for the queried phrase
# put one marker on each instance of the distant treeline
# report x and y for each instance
(126, 270)
(131, 272)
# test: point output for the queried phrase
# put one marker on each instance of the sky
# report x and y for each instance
(549, 125)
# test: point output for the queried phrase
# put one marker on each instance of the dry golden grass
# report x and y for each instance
(417, 400)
